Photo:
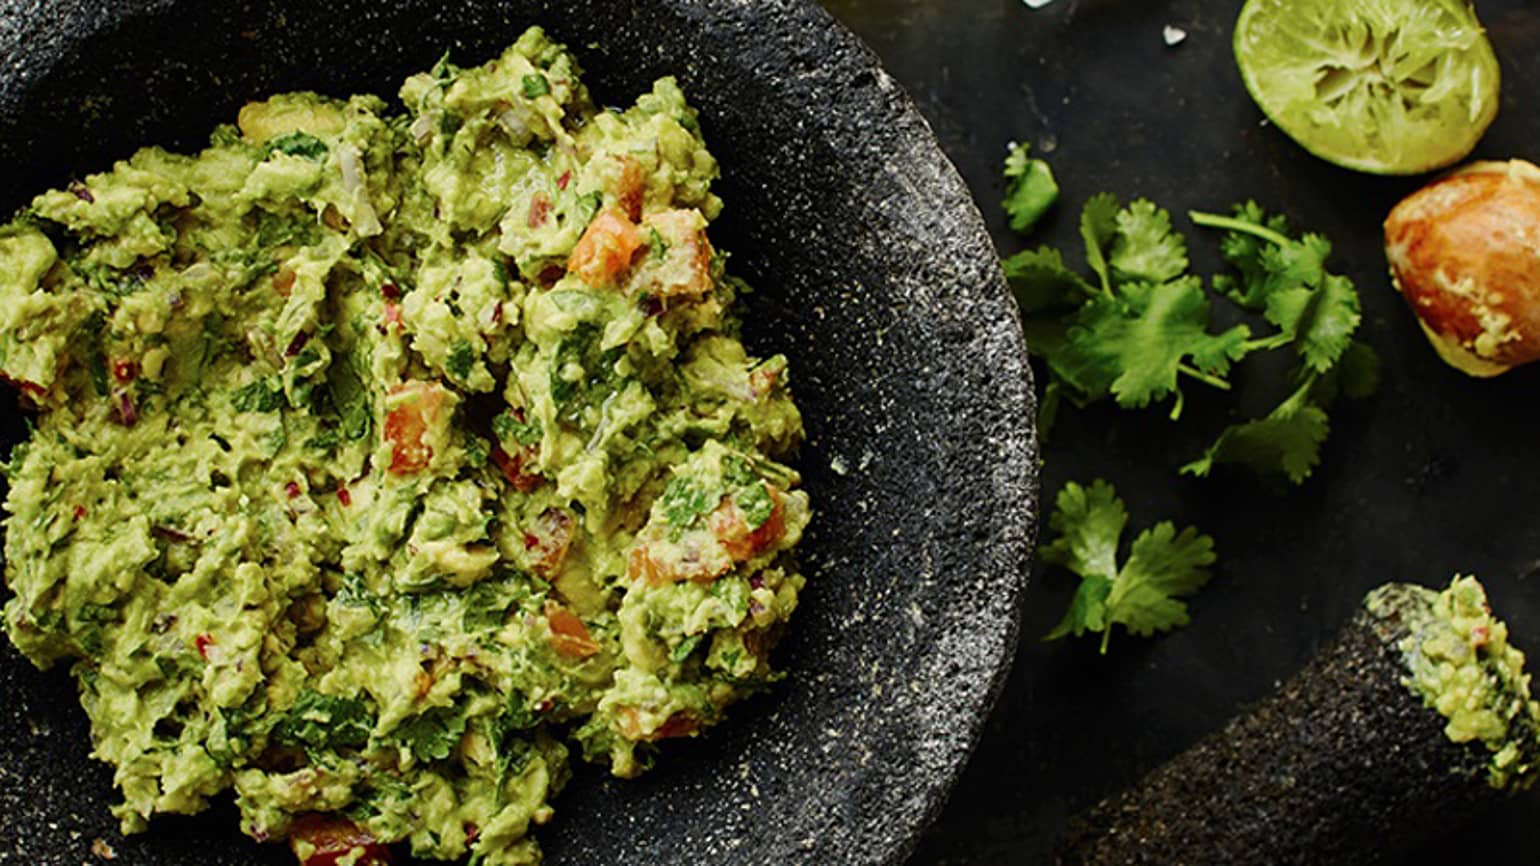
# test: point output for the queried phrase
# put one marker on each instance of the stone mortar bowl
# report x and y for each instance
(875, 276)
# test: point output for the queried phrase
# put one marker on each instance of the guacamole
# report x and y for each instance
(384, 460)
(1460, 663)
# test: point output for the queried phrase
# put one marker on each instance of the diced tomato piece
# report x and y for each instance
(407, 425)
(605, 252)
(548, 542)
(344, 497)
(518, 467)
(569, 635)
(763, 381)
(332, 838)
(283, 282)
(539, 210)
(629, 188)
(681, 724)
(730, 527)
(686, 266)
(690, 561)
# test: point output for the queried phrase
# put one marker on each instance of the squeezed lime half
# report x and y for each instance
(1382, 86)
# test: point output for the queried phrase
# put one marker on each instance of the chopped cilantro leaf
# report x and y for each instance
(1098, 228)
(684, 501)
(461, 359)
(258, 396)
(432, 735)
(685, 647)
(1286, 442)
(320, 722)
(508, 428)
(1142, 595)
(1041, 281)
(1030, 189)
(536, 86)
(300, 144)
(756, 504)
(1146, 248)
(1133, 346)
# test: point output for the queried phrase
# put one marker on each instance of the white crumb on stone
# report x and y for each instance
(1173, 35)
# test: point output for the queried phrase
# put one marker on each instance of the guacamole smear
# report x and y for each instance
(1459, 661)
(386, 461)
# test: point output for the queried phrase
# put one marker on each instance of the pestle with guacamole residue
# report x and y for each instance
(1413, 718)
(381, 459)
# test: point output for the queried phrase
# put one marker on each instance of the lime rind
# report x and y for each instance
(1382, 86)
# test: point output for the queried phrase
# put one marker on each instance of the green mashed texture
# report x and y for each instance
(1459, 661)
(381, 458)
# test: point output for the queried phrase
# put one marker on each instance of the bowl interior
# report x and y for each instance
(873, 274)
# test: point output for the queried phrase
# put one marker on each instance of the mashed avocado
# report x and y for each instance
(380, 458)
(1459, 661)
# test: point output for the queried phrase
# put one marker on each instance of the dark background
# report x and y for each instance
(1433, 475)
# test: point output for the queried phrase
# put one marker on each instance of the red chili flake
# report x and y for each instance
(566, 178)
(545, 706)
(344, 497)
(292, 488)
(391, 291)
(80, 512)
(539, 210)
(296, 344)
(125, 370)
(531, 541)
(202, 642)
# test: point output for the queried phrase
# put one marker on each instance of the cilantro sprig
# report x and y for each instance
(1140, 326)
(1143, 594)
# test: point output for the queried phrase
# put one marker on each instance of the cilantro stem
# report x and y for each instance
(1203, 377)
(1215, 221)
(1276, 341)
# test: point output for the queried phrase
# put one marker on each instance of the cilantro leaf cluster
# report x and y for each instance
(1143, 593)
(1140, 326)
(1030, 188)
